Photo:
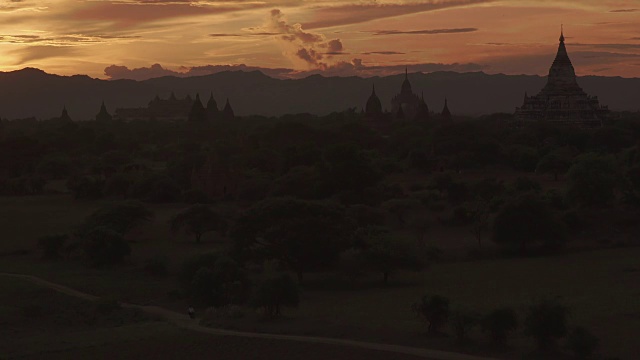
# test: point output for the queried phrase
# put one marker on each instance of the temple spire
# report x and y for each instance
(562, 33)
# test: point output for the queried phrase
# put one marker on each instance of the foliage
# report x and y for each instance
(461, 323)
(592, 180)
(582, 343)
(157, 266)
(86, 186)
(546, 322)
(198, 220)
(52, 245)
(434, 310)
(275, 292)
(119, 217)
(303, 235)
(215, 280)
(499, 323)
(385, 255)
(103, 246)
(525, 222)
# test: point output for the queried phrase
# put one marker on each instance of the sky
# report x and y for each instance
(139, 39)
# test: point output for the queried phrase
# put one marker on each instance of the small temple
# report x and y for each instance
(562, 100)
(65, 115)
(103, 115)
(173, 108)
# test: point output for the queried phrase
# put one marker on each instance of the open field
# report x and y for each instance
(601, 287)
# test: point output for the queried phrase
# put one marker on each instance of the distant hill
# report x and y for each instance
(32, 92)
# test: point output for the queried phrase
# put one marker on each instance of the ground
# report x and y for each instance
(601, 287)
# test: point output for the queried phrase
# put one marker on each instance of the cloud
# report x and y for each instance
(62, 40)
(355, 13)
(355, 67)
(312, 48)
(383, 53)
(115, 72)
(608, 46)
(32, 53)
(424, 32)
(624, 10)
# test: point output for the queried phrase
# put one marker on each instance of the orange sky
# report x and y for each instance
(358, 37)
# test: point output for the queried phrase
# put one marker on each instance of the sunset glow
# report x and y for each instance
(109, 38)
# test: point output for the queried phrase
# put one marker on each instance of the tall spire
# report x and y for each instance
(373, 92)
(562, 33)
(406, 72)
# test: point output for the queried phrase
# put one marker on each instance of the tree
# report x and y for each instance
(198, 220)
(215, 280)
(592, 180)
(434, 310)
(303, 235)
(386, 255)
(546, 322)
(462, 322)
(555, 162)
(582, 343)
(103, 246)
(499, 323)
(527, 221)
(51, 245)
(119, 217)
(274, 292)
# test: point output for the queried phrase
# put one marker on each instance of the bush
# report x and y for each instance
(52, 245)
(275, 292)
(546, 322)
(215, 280)
(103, 246)
(157, 266)
(526, 222)
(434, 310)
(499, 323)
(461, 323)
(196, 196)
(592, 180)
(582, 343)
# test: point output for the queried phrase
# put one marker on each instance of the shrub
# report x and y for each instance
(592, 180)
(582, 343)
(215, 280)
(274, 292)
(157, 266)
(103, 246)
(52, 245)
(499, 323)
(461, 323)
(434, 310)
(546, 322)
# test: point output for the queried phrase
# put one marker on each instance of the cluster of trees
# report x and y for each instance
(546, 322)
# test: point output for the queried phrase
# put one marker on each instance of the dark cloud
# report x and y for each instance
(115, 72)
(624, 10)
(310, 47)
(32, 53)
(383, 53)
(328, 16)
(424, 32)
(355, 67)
(608, 46)
(248, 34)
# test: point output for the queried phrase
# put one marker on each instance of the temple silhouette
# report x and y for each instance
(173, 108)
(562, 100)
(406, 105)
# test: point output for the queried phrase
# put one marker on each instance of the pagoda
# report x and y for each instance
(562, 100)
(103, 115)
(406, 104)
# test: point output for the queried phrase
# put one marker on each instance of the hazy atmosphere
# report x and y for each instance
(294, 38)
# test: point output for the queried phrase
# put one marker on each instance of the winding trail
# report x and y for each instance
(184, 322)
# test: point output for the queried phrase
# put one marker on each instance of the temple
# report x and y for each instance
(406, 104)
(103, 115)
(562, 100)
(65, 115)
(176, 109)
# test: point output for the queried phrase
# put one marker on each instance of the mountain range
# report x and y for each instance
(33, 93)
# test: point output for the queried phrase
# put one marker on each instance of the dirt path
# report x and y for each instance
(184, 322)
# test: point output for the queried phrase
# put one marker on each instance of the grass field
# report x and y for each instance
(601, 287)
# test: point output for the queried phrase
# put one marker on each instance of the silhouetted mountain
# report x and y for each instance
(32, 92)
